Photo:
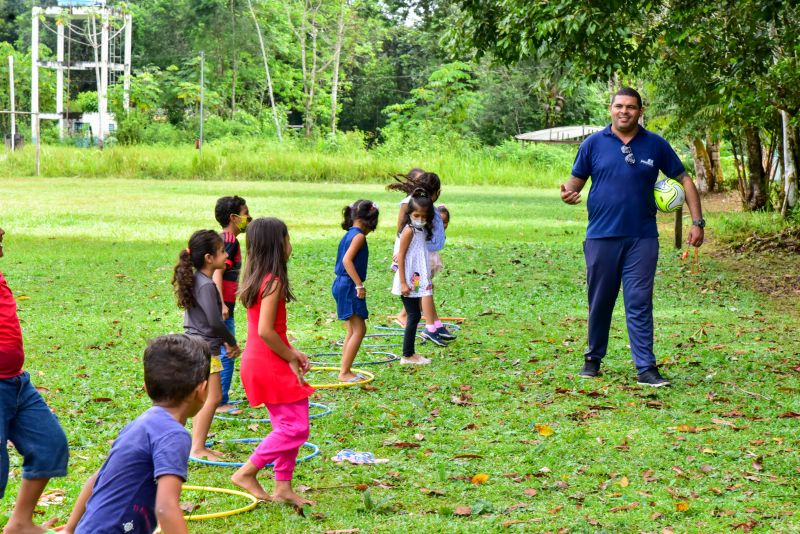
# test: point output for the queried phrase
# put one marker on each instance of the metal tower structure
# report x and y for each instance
(106, 62)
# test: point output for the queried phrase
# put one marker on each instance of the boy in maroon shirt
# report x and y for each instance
(26, 420)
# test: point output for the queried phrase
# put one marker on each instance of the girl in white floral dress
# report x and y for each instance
(412, 281)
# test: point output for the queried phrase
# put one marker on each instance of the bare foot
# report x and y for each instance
(27, 528)
(347, 377)
(288, 496)
(250, 484)
(207, 454)
(230, 409)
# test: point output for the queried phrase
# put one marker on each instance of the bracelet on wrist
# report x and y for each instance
(359, 287)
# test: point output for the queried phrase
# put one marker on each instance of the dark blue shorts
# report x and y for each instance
(347, 303)
(27, 421)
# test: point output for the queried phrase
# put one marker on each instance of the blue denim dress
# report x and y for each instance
(344, 290)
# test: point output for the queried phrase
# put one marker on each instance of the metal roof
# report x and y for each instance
(562, 134)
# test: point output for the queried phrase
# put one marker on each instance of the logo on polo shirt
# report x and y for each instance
(648, 162)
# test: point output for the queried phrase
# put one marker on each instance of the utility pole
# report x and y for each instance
(202, 96)
(11, 98)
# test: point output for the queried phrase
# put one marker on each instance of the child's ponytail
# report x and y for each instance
(347, 217)
(191, 258)
(363, 210)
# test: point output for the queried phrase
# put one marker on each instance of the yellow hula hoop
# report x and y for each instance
(370, 378)
(216, 515)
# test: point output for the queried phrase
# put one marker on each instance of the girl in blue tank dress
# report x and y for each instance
(360, 219)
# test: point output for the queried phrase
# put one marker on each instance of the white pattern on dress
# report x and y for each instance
(418, 275)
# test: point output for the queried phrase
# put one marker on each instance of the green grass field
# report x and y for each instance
(90, 263)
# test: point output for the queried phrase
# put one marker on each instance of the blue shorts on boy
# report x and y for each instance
(25, 418)
(344, 290)
(124, 495)
(27, 421)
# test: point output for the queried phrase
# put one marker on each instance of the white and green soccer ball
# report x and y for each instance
(669, 195)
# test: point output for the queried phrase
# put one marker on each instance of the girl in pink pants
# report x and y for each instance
(271, 369)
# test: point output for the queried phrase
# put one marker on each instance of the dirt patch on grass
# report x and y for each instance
(769, 264)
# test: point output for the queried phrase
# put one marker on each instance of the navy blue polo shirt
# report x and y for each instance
(621, 202)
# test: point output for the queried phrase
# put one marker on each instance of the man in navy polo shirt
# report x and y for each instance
(621, 244)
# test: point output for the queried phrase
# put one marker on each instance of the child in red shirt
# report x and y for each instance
(26, 420)
(271, 369)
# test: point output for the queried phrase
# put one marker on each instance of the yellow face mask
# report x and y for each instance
(244, 220)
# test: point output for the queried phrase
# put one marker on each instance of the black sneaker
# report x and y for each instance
(652, 378)
(433, 337)
(591, 368)
(445, 334)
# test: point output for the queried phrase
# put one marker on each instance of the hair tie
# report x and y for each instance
(373, 207)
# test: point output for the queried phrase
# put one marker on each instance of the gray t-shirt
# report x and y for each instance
(205, 319)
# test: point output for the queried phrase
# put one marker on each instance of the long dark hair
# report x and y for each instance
(193, 257)
(416, 179)
(364, 210)
(422, 202)
(266, 254)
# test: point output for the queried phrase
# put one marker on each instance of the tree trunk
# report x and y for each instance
(757, 192)
(717, 180)
(702, 166)
(337, 53)
(266, 70)
(790, 150)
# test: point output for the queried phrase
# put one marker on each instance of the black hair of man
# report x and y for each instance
(628, 91)
(227, 206)
(174, 365)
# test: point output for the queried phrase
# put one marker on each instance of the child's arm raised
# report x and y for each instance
(266, 331)
(80, 505)
(355, 246)
(168, 501)
(405, 240)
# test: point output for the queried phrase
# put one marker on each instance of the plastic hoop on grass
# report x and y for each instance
(227, 513)
(325, 411)
(451, 326)
(392, 357)
(370, 378)
(340, 342)
(314, 452)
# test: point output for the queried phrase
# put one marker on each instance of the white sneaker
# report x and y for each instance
(420, 360)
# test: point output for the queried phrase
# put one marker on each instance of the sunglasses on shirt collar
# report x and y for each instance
(630, 159)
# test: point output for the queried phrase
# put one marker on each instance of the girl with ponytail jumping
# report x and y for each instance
(198, 296)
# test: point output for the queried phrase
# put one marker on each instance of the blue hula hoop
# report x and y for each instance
(451, 326)
(340, 342)
(325, 411)
(314, 452)
(394, 357)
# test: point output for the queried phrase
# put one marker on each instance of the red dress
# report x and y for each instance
(266, 377)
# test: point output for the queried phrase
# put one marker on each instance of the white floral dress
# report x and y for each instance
(418, 276)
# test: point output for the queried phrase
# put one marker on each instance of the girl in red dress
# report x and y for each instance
(271, 369)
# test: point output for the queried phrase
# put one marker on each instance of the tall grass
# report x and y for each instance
(295, 160)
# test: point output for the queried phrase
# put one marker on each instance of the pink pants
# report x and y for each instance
(289, 432)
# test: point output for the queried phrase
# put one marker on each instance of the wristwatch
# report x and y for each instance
(700, 223)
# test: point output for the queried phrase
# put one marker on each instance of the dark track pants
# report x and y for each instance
(629, 261)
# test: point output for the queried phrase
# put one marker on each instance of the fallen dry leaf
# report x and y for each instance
(401, 444)
(457, 456)
(463, 511)
(189, 507)
(784, 416)
(544, 430)
(433, 492)
(553, 511)
(530, 492)
(625, 508)
(624, 482)
(480, 478)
